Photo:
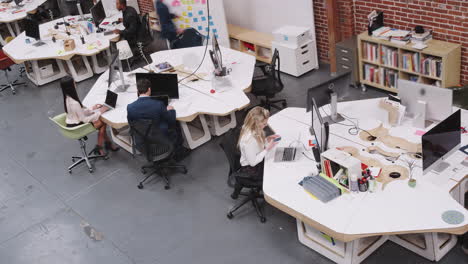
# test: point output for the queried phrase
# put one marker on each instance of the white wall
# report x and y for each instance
(268, 15)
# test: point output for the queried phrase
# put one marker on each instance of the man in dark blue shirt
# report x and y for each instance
(146, 107)
(168, 29)
(131, 22)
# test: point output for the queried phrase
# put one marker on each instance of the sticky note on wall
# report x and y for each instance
(195, 19)
(184, 13)
(200, 12)
(190, 14)
(203, 19)
(189, 8)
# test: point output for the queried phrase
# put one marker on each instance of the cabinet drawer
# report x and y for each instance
(346, 60)
(343, 67)
(349, 53)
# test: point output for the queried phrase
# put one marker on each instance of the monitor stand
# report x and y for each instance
(80, 11)
(420, 118)
(441, 167)
(334, 117)
(122, 87)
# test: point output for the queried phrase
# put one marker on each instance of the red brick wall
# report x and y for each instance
(146, 6)
(447, 18)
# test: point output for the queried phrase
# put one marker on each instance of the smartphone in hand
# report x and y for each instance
(277, 139)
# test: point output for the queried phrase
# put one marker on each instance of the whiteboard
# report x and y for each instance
(193, 13)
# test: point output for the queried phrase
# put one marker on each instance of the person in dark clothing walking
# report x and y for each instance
(168, 29)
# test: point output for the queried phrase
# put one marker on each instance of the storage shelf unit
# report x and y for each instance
(261, 42)
(448, 53)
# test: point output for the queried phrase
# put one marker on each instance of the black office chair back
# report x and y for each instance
(145, 34)
(229, 146)
(189, 38)
(275, 67)
(149, 140)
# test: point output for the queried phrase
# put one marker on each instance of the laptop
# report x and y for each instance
(111, 99)
(288, 154)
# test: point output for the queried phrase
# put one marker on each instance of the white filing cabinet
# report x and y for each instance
(297, 60)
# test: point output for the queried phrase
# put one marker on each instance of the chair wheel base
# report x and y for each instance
(185, 171)
(70, 171)
(167, 187)
(143, 171)
(140, 186)
(262, 219)
(90, 170)
(230, 216)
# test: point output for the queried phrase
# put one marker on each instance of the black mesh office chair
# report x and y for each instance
(239, 180)
(269, 83)
(148, 139)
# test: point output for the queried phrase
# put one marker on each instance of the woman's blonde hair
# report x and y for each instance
(252, 124)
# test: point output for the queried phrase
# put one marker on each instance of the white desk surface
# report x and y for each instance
(19, 51)
(397, 209)
(11, 14)
(195, 97)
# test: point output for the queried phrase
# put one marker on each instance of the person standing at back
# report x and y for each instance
(168, 29)
(131, 22)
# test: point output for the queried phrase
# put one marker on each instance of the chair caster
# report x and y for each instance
(70, 171)
(284, 105)
(140, 186)
(14, 92)
(262, 219)
(143, 171)
(167, 187)
(73, 160)
(185, 171)
(230, 215)
(90, 170)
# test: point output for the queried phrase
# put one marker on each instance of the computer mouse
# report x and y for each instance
(394, 174)
(56, 26)
(371, 138)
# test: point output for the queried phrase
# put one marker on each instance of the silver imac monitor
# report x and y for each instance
(440, 142)
(438, 101)
(319, 127)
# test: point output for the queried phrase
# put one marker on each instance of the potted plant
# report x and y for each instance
(411, 163)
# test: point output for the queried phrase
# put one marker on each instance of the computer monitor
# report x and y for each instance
(319, 128)
(440, 142)
(330, 92)
(98, 13)
(438, 101)
(18, 3)
(162, 84)
(217, 59)
(32, 28)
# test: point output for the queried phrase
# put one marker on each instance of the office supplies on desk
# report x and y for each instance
(321, 188)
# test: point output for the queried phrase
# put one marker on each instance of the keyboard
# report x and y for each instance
(289, 154)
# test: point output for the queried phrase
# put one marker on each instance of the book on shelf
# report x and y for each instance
(422, 37)
(370, 51)
(389, 56)
(389, 78)
(371, 73)
(431, 66)
(410, 61)
(400, 41)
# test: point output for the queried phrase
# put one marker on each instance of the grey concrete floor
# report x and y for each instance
(43, 208)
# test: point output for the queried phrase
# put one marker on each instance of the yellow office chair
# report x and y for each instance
(80, 133)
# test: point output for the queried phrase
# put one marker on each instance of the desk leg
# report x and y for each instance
(2, 41)
(18, 30)
(221, 124)
(95, 61)
(80, 75)
(195, 136)
(353, 252)
(38, 78)
(10, 29)
(432, 246)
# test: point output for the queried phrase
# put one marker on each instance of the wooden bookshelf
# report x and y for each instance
(261, 42)
(448, 53)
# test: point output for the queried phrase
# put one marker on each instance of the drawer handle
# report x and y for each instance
(345, 59)
(344, 67)
(305, 46)
(344, 51)
(304, 52)
(305, 62)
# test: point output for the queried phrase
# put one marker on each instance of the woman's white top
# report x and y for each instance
(77, 114)
(251, 152)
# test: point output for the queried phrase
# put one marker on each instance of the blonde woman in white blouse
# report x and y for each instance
(77, 114)
(252, 143)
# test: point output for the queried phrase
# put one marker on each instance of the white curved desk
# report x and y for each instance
(20, 51)
(361, 222)
(195, 99)
(10, 15)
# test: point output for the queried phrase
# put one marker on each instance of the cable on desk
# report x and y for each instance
(206, 46)
(354, 130)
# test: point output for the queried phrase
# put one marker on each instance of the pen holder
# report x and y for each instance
(363, 186)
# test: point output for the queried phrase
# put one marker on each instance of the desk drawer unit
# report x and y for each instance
(297, 60)
(346, 58)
